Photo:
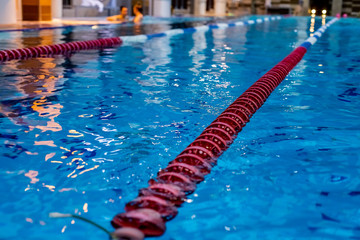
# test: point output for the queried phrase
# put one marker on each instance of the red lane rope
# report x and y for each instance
(57, 49)
(158, 203)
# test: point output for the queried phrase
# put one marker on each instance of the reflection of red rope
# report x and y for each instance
(64, 48)
(157, 203)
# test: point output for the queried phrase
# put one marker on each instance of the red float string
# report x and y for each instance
(158, 203)
(57, 49)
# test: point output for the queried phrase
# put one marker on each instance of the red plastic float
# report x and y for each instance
(156, 203)
(64, 48)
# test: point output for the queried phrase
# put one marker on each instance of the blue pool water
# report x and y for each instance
(83, 134)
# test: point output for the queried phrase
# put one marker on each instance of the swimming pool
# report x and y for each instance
(83, 134)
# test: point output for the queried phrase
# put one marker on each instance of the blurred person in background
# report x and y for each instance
(137, 10)
(122, 17)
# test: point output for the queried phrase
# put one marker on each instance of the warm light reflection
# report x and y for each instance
(49, 111)
(312, 24)
(85, 208)
(50, 187)
(32, 175)
(37, 94)
(85, 22)
(62, 148)
(323, 18)
(75, 134)
(73, 174)
(56, 162)
(137, 29)
(76, 160)
(49, 143)
(49, 156)
(86, 115)
(39, 82)
(31, 153)
(90, 169)
(31, 89)
(313, 13)
(67, 189)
